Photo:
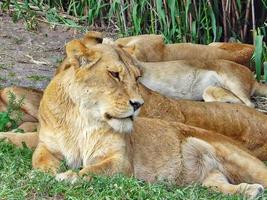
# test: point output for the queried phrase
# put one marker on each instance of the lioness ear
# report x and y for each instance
(129, 49)
(75, 48)
(92, 38)
(81, 56)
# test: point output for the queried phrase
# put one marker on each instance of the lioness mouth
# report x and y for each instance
(108, 116)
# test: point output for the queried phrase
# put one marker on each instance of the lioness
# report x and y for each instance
(88, 115)
(211, 80)
(242, 124)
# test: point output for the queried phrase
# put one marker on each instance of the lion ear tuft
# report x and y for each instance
(80, 55)
(130, 49)
(92, 38)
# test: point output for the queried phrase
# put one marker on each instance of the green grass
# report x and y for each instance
(201, 21)
(38, 78)
(3, 79)
(2, 66)
(19, 181)
(10, 118)
(11, 74)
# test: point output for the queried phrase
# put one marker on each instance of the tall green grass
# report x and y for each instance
(196, 21)
(259, 57)
(10, 118)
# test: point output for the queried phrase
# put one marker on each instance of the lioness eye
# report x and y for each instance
(115, 74)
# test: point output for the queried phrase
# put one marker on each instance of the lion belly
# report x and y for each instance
(179, 82)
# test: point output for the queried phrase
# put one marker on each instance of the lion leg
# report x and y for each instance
(100, 168)
(217, 181)
(244, 98)
(214, 93)
(44, 160)
(248, 168)
(219, 163)
(240, 93)
(108, 166)
(30, 138)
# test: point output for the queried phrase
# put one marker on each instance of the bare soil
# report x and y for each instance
(29, 58)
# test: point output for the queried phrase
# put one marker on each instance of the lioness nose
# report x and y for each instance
(135, 104)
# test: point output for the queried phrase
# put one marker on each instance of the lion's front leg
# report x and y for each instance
(108, 166)
(44, 160)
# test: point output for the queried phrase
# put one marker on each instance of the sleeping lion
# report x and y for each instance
(196, 72)
(89, 116)
(211, 80)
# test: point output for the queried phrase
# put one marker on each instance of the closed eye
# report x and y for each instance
(115, 74)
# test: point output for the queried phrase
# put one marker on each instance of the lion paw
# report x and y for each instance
(251, 191)
(68, 176)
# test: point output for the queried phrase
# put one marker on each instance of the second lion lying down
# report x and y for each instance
(88, 116)
(196, 72)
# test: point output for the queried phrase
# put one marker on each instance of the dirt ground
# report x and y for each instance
(29, 58)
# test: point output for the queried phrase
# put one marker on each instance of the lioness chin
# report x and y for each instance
(76, 123)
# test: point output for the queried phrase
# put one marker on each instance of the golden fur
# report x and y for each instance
(243, 124)
(88, 116)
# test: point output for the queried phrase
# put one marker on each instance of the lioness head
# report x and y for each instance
(104, 85)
